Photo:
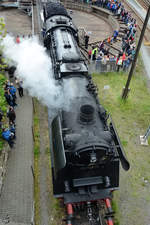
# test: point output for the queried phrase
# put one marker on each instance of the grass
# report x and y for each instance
(116, 210)
(55, 211)
(36, 135)
(132, 118)
(36, 131)
(131, 111)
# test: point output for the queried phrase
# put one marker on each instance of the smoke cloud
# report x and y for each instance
(34, 67)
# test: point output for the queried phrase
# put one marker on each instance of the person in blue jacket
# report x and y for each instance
(12, 129)
(8, 136)
(115, 35)
(12, 90)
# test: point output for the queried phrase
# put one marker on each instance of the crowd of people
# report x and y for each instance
(101, 55)
(8, 129)
(10, 93)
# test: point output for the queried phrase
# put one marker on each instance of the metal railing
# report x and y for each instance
(110, 66)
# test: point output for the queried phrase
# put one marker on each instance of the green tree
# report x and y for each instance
(2, 29)
(2, 35)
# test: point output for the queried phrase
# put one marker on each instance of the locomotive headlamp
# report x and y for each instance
(93, 158)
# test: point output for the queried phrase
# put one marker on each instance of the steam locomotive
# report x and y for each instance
(86, 150)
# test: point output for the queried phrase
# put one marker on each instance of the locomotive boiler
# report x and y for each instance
(85, 148)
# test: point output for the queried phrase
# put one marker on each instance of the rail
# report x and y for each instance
(141, 20)
(36, 21)
(145, 3)
(32, 21)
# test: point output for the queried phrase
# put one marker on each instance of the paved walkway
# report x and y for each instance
(16, 201)
(98, 29)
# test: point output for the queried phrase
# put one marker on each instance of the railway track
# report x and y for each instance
(36, 19)
(144, 3)
(139, 19)
(99, 213)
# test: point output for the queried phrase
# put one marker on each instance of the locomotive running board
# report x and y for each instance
(75, 198)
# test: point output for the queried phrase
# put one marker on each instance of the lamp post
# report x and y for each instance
(126, 89)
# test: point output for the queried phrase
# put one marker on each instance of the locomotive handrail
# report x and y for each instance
(90, 147)
(124, 162)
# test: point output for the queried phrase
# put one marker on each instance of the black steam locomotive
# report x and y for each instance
(86, 150)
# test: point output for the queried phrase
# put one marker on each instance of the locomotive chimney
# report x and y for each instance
(86, 113)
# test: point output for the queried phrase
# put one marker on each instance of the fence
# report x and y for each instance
(110, 66)
(144, 139)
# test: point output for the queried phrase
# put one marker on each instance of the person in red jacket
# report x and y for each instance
(90, 53)
(17, 39)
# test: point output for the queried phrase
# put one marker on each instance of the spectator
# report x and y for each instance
(133, 53)
(109, 40)
(20, 88)
(8, 98)
(8, 136)
(119, 63)
(123, 56)
(127, 63)
(11, 115)
(7, 85)
(101, 53)
(101, 46)
(12, 129)
(90, 53)
(86, 39)
(94, 52)
(17, 39)
(115, 35)
(13, 93)
(106, 51)
(19, 84)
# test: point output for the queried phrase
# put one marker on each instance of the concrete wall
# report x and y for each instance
(78, 6)
(3, 164)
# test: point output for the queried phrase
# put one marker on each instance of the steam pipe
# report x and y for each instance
(70, 214)
(110, 211)
(108, 205)
(110, 222)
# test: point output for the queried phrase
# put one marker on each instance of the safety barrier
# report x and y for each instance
(144, 139)
(110, 66)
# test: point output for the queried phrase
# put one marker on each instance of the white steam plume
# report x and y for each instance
(35, 69)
